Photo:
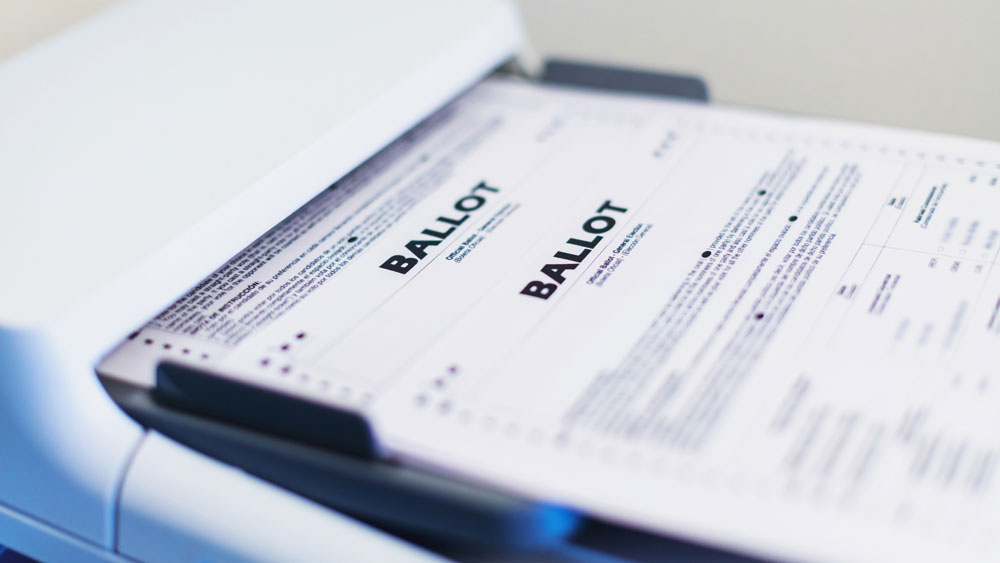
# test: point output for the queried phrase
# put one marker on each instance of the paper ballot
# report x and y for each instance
(776, 334)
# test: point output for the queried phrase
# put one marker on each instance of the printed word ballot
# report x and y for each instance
(778, 335)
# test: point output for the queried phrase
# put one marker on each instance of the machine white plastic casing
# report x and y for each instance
(138, 151)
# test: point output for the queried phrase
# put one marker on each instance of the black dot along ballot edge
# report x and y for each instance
(706, 254)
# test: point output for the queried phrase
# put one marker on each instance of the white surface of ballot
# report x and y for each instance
(768, 333)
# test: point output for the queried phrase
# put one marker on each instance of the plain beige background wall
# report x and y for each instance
(23, 22)
(915, 63)
(924, 64)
